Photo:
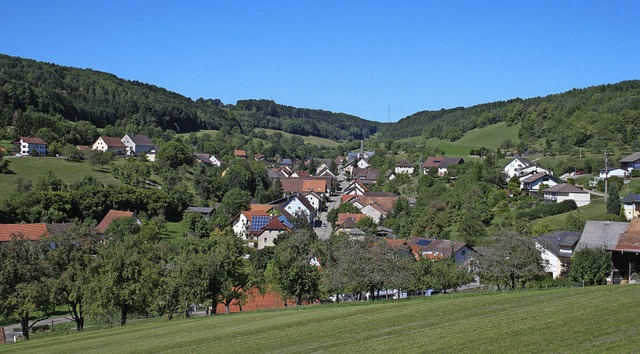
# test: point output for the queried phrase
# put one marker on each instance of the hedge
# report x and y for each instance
(548, 210)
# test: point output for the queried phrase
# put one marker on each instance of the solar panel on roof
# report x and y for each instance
(423, 242)
(283, 219)
(258, 222)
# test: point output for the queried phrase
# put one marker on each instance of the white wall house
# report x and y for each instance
(404, 167)
(107, 143)
(556, 249)
(534, 181)
(374, 212)
(520, 166)
(314, 199)
(31, 146)
(631, 206)
(565, 191)
(298, 205)
(614, 172)
(137, 144)
(362, 163)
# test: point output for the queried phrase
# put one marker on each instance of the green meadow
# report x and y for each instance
(32, 168)
(490, 137)
(597, 319)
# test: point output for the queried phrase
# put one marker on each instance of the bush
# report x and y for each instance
(635, 173)
(548, 210)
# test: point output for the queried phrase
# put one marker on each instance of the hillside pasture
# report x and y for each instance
(490, 137)
(32, 168)
(596, 319)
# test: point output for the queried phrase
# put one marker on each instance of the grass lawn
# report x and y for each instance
(596, 319)
(32, 168)
(596, 210)
(315, 140)
(174, 231)
(490, 137)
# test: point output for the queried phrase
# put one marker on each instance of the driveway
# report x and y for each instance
(324, 232)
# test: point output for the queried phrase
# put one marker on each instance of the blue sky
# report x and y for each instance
(359, 57)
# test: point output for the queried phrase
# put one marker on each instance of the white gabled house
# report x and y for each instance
(520, 166)
(556, 249)
(631, 206)
(314, 199)
(405, 167)
(30, 146)
(613, 172)
(533, 182)
(565, 191)
(137, 144)
(298, 205)
(109, 144)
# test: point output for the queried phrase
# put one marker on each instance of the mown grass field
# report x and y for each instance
(597, 319)
(32, 168)
(596, 210)
(315, 140)
(490, 137)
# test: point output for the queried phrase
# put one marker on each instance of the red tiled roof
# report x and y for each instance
(342, 217)
(239, 153)
(630, 239)
(112, 215)
(111, 141)
(37, 141)
(29, 231)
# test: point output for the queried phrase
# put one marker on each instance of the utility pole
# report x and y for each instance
(606, 176)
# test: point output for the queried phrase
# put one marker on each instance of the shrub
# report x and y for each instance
(548, 210)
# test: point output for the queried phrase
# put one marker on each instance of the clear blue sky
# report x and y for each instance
(357, 57)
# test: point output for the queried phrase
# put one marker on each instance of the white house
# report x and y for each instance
(296, 205)
(556, 249)
(208, 159)
(137, 144)
(614, 172)
(270, 232)
(565, 191)
(534, 181)
(631, 206)
(405, 167)
(31, 146)
(314, 199)
(362, 163)
(107, 143)
(520, 166)
(373, 210)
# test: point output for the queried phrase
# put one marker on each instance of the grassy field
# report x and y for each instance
(490, 137)
(597, 319)
(32, 168)
(596, 210)
(315, 140)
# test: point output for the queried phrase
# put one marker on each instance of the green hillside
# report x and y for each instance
(590, 118)
(596, 319)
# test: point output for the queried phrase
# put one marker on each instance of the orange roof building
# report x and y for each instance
(29, 231)
(112, 215)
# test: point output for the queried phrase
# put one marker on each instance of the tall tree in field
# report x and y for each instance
(69, 262)
(512, 259)
(233, 268)
(291, 271)
(127, 270)
(24, 282)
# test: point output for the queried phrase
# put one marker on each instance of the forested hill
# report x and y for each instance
(590, 117)
(36, 95)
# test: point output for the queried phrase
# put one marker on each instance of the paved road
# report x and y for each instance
(324, 232)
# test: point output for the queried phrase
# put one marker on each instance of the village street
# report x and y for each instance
(324, 231)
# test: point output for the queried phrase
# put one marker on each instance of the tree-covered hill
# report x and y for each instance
(36, 95)
(593, 118)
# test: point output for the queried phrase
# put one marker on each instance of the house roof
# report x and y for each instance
(201, 210)
(239, 153)
(204, 158)
(343, 217)
(536, 176)
(556, 240)
(565, 188)
(31, 140)
(304, 201)
(435, 248)
(525, 162)
(404, 163)
(29, 231)
(385, 202)
(112, 215)
(632, 158)
(141, 139)
(111, 141)
(598, 234)
(365, 174)
(276, 224)
(303, 174)
(631, 198)
(442, 161)
(286, 162)
(630, 238)
(82, 147)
